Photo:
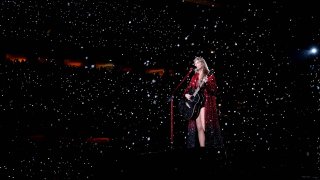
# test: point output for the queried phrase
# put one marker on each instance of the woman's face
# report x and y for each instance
(198, 64)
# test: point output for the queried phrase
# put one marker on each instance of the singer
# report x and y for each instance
(203, 125)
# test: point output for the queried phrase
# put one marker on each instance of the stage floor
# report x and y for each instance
(78, 160)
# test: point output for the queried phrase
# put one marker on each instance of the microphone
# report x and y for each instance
(193, 69)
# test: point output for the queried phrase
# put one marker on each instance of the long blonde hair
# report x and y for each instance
(201, 59)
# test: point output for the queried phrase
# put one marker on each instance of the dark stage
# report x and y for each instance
(86, 88)
(82, 159)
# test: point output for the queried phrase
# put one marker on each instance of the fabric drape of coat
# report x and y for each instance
(212, 126)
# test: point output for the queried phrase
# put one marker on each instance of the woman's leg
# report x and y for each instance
(200, 121)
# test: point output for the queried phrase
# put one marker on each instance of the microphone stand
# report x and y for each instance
(171, 106)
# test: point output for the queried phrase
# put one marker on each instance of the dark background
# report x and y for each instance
(268, 81)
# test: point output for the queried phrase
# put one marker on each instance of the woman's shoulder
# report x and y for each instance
(211, 77)
(210, 74)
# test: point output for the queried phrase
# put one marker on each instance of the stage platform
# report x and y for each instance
(102, 160)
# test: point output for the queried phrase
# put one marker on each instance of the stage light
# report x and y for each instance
(313, 51)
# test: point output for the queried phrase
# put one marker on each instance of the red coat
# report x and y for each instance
(212, 126)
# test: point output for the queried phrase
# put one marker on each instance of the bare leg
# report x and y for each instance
(200, 121)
